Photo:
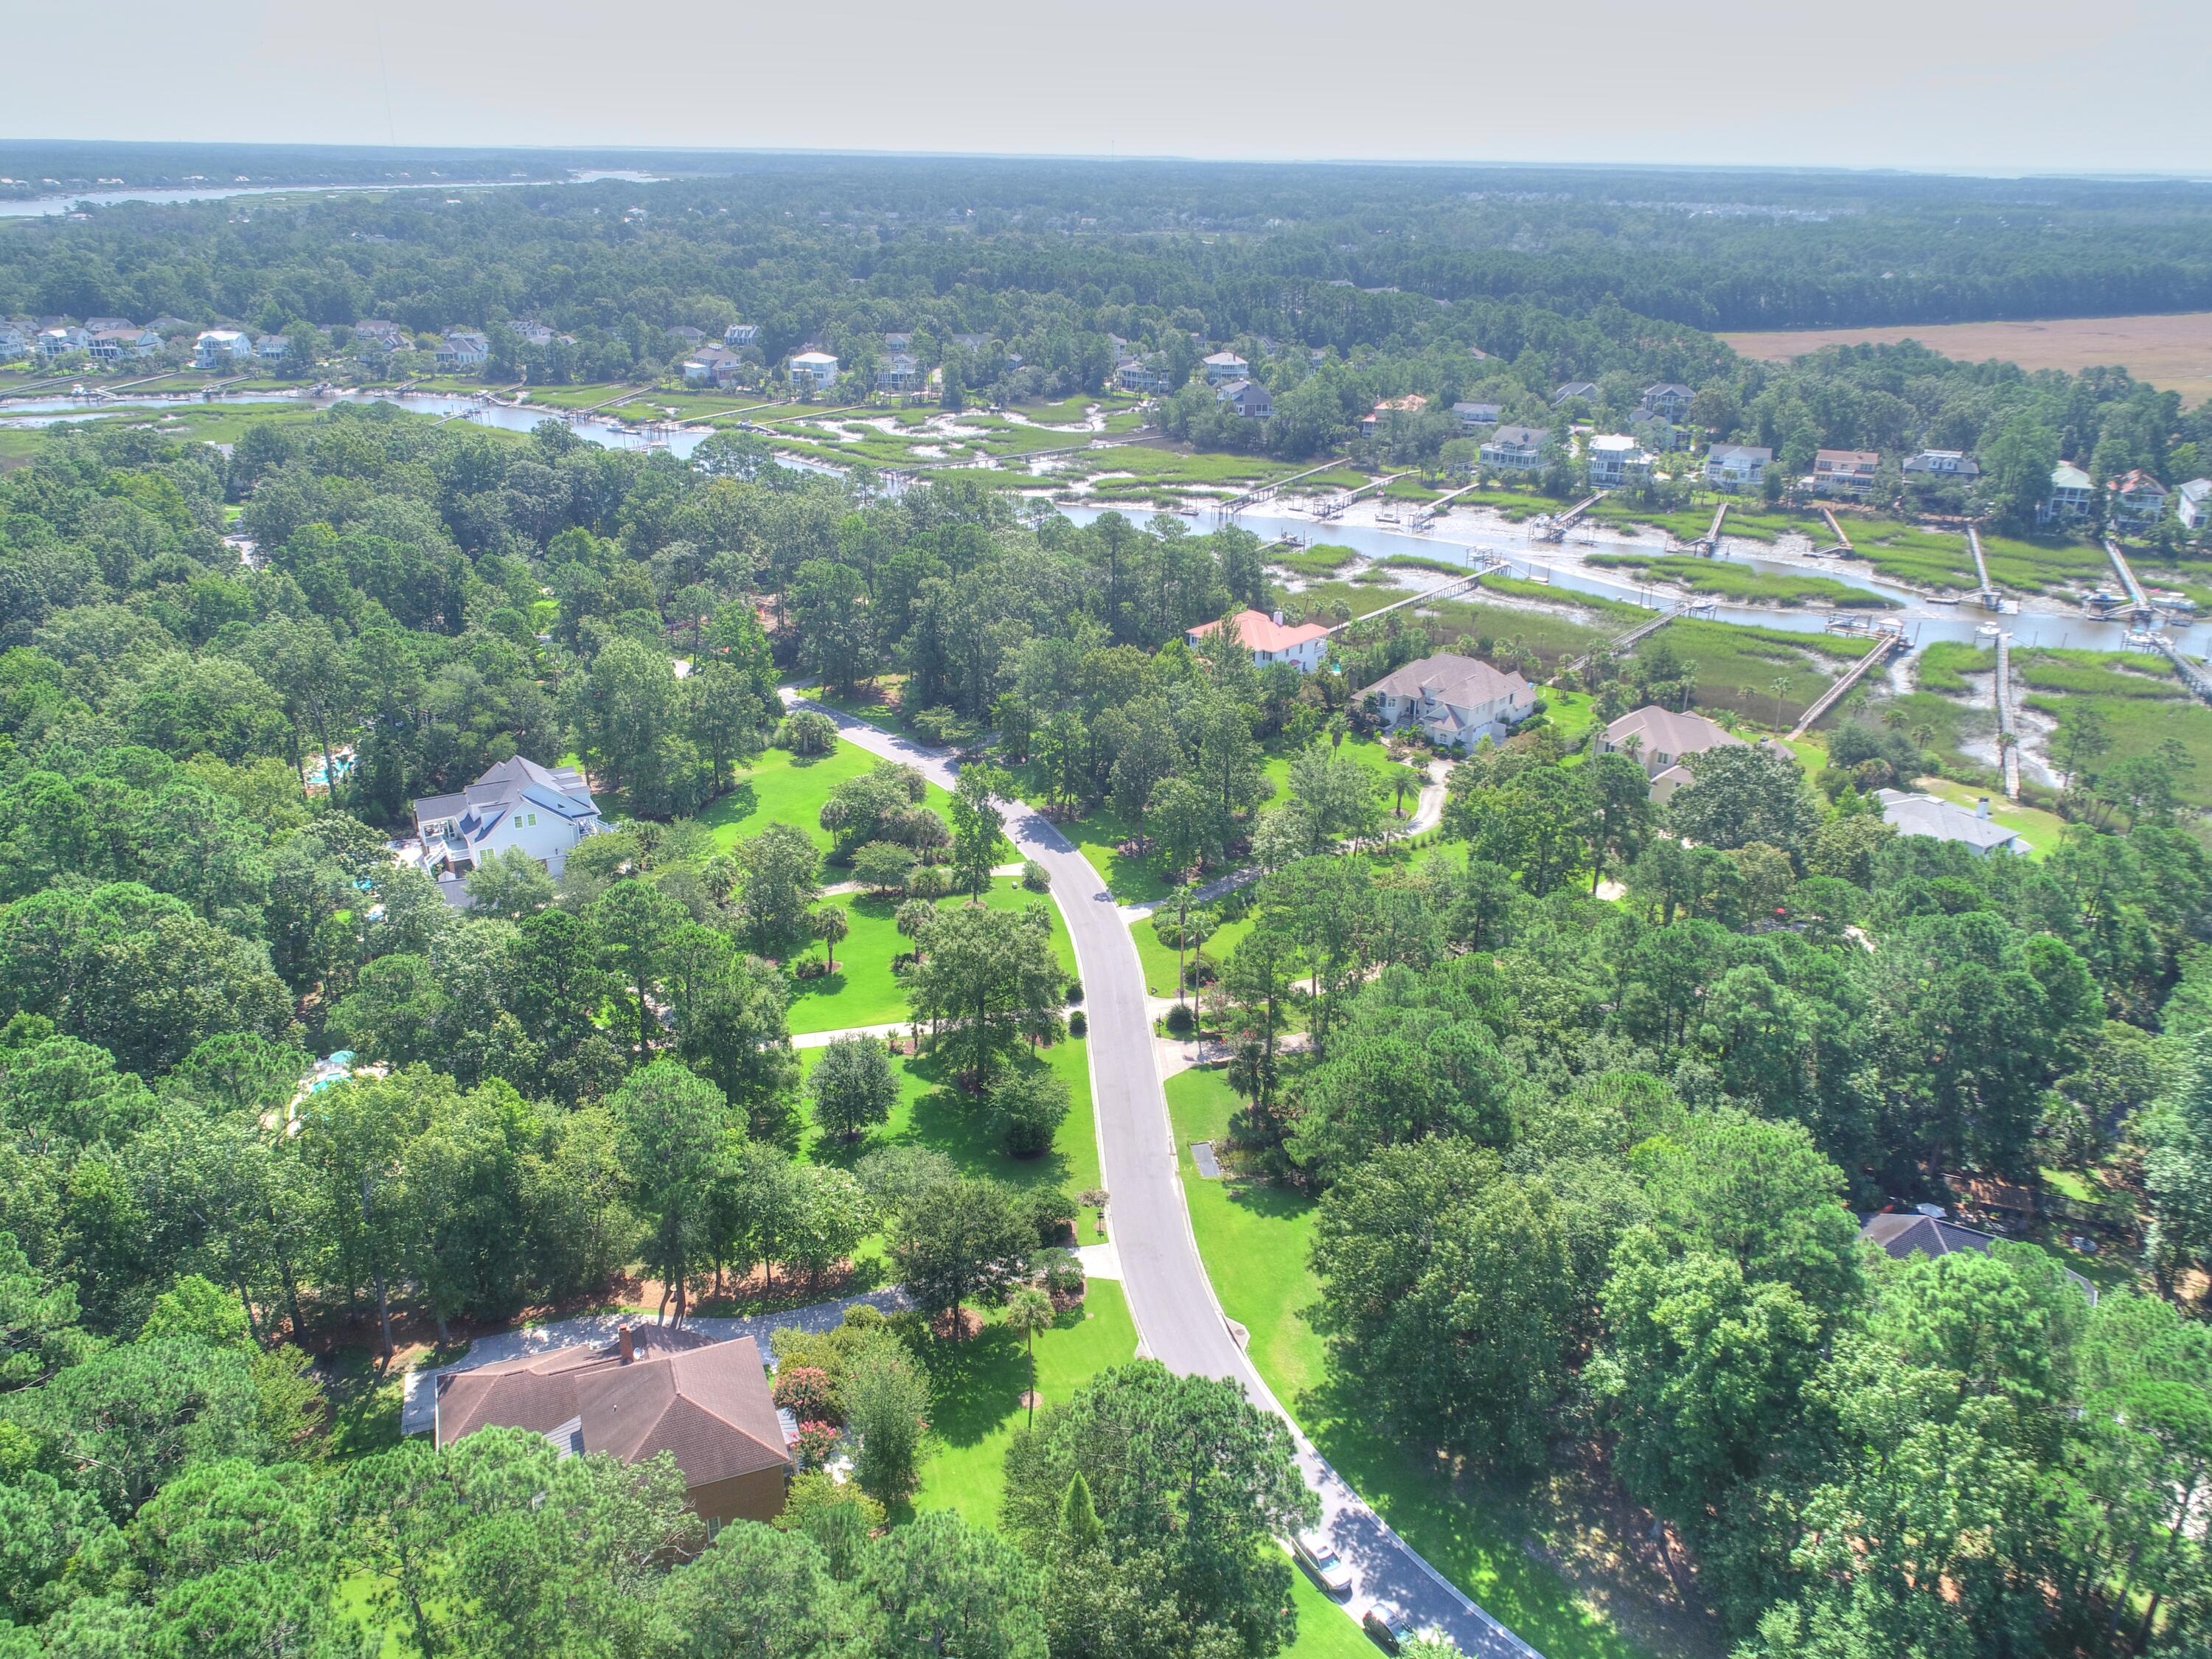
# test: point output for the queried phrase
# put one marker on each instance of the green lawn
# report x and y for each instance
(978, 1388)
(2041, 830)
(863, 991)
(783, 788)
(1159, 962)
(1325, 1631)
(1254, 1240)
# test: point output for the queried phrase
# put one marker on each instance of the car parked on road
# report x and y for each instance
(1317, 1558)
(1387, 1628)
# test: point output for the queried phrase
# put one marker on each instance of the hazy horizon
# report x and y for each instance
(1976, 88)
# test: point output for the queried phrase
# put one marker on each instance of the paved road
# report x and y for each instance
(1178, 1320)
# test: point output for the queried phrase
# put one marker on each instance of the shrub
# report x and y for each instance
(816, 1445)
(887, 1403)
(1052, 1211)
(815, 1491)
(1035, 879)
(1075, 990)
(882, 866)
(931, 881)
(1076, 1025)
(807, 732)
(804, 1391)
(1063, 1277)
(1181, 1021)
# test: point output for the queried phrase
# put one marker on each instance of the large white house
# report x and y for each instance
(1616, 459)
(817, 369)
(1737, 466)
(2193, 503)
(518, 803)
(1223, 366)
(219, 348)
(1457, 701)
(1270, 639)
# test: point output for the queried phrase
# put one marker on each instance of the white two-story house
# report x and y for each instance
(1270, 639)
(219, 347)
(1616, 460)
(517, 804)
(1457, 701)
(1737, 466)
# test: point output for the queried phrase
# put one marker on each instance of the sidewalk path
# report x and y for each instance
(1179, 1322)
(419, 1409)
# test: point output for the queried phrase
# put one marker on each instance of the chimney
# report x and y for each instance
(1981, 807)
(1279, 619)
(628, 1344)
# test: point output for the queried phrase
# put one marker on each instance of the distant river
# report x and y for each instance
(39, 207)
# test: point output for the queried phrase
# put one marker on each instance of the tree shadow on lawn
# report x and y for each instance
(962, 1126)
(976, 1385)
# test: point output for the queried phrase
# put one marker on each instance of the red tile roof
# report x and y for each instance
(1259, 631)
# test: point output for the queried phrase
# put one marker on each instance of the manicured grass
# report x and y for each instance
(2041, 830)
(934, 1111)
(863, 991)
(1253, 1240)
(1325, 1631)
(781, 788)
(1158, 960)
(977, 1387)
(1735, 582)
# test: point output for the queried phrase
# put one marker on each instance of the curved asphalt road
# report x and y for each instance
(1178, 1320)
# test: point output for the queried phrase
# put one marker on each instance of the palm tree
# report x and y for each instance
(1029, 1310)
(1778, 685)
(830, 925)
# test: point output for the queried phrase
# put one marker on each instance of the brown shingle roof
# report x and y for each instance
(1666, 733)
(705, 1403)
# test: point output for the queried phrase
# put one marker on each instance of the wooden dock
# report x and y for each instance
(1710, 541)
(1260, 494)
(2193, 675)
(1986, 595)
(1619, 642)
(2007, 733)
(1842, 544)
(1884, 644)
(1555, 530)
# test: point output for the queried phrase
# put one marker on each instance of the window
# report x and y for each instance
(534, 820)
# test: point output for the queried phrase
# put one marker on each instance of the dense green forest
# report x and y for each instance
(1559, 1188)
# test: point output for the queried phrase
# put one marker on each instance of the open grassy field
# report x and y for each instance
(781, 788)
(1253, 1240)
(1722, 579)
(2174, 352)
(2041, 830)
(863, 991)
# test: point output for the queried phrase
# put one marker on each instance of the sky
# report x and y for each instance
(1980, 86)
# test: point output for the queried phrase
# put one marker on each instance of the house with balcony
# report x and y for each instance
(1737, 466)
(1669, 400)
(61, 339)
(124, 343)
(1845, 471)
(1136, 374)
(1456, 701)
(901, 371)
(1223, 366)
(16, 338)
(1653, 430)
(1251, 400)
(813, 371)
(1270, 639)
(2072, 498)
(221, 348)
(273, 347)
(2137, 502)
(1616, 460)
(1475, 417)
(1514, 448)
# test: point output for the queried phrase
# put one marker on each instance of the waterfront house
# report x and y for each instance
(1944, 820)
(113, 346)
(1378, 417)
(61, 339)
(814, 371)
(2072, 496)
(272, 348)
(1661, 740)
(1947, 463)
(1248, 398)
(1270, 639)
(462, 348)
(1651, 429)
(221, 348)
(380, 333)
(1514, 448)
(1457, 701)
(1845, 471)
(1474, 417)
(900, 371)
(1135, 374)
(712, 365)
(1737, 466)
(1225, 365)
(2138, 500)
(1616, 460)
(2193, 503)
